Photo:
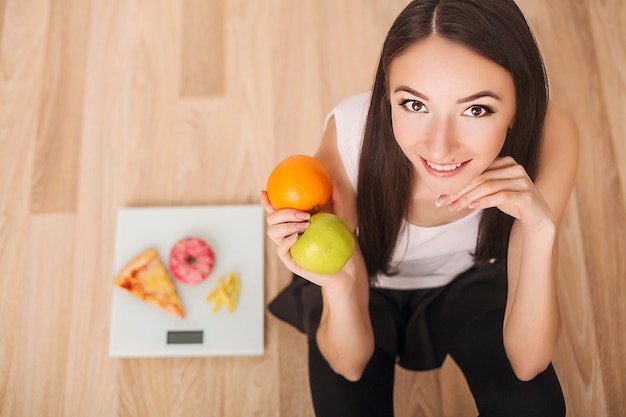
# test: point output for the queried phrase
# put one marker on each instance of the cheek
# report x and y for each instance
(498, 140)
(407, 133)
(488, 141)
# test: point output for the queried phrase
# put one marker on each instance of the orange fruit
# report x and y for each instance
(299, 182)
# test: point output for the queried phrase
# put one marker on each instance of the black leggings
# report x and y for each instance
(478, 350)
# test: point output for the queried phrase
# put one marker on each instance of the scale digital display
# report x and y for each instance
(185, 337)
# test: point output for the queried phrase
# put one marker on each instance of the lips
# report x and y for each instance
(443, 170)
(448, 167)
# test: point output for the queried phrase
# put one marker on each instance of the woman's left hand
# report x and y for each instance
(505, 185)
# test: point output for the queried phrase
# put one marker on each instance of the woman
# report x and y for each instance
(454, 173)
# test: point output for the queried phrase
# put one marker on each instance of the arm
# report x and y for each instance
(345, 335)
(532, 319)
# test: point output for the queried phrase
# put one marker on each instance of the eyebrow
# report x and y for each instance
(481, 94)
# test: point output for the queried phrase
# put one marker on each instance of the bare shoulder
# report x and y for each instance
(344, 196)
(558, 161)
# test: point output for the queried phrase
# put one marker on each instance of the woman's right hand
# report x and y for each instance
(284, 226)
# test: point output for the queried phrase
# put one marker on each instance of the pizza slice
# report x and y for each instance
(146, 278)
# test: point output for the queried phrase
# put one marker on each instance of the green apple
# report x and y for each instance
(325, 246)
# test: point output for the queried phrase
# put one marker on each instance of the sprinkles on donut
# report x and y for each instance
(191, 260)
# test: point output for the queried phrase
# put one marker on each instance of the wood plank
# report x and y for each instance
(202, 66)
(91, 385)
(22, 41)
(352, 39)
(171, 387)
(58, 140)
(153, 108)
(577, 359)
(200, 153)
(298, 60)
(42, 340)
(3, 5)
(250, 120)
(609, 39)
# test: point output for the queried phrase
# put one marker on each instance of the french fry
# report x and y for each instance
(226, 293)
(217, 305)
(213, 296)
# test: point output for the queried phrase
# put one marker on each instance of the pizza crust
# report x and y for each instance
(146, 278)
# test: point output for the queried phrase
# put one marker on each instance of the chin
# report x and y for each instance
(441, 190)
(446, 187)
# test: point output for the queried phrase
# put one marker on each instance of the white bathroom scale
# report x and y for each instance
(236, 234)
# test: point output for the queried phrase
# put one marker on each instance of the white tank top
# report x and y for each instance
(424, 257)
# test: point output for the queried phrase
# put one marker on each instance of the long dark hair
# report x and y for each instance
(495, 29)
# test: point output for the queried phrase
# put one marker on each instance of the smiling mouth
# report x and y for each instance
(443, 168)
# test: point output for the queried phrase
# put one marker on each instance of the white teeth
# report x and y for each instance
(437, 167)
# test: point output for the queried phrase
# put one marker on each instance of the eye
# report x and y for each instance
(413, 106)
(478, 111)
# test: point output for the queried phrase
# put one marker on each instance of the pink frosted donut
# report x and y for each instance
(191, 260)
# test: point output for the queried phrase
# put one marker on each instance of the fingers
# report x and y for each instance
(485, 194)
(265, 202)
(283, 224)
(501, 168)
(280, 231)
(284, 227)
(286, 216)
(503, 180)
(284, 242)
(282, 248)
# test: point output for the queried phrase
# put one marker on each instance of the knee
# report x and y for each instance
(540, 397)
(536, 406)
(478, 349)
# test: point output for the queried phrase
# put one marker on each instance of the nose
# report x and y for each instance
(442, 139)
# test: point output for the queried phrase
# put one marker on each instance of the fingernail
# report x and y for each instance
(302, 225)
(302, 215)
(441, 200)
(454, 206)
(474, 205)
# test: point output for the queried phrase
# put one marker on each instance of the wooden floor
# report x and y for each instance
(113, 103)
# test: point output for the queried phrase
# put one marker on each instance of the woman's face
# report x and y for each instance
(450, 109)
